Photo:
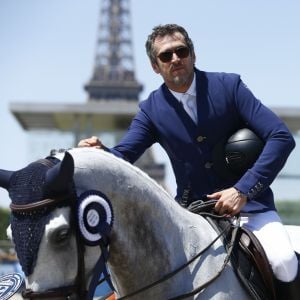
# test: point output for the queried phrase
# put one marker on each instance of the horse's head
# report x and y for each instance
(49, 224)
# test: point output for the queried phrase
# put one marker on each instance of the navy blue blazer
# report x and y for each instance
(224, 104)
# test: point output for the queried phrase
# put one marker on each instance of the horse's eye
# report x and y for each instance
(61, 236)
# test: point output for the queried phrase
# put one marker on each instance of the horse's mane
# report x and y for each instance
(90, 160)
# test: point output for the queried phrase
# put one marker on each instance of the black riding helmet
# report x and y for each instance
(232, 158)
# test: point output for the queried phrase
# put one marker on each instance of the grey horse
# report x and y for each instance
(150, 235)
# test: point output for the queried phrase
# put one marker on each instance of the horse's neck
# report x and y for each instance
(154, 236)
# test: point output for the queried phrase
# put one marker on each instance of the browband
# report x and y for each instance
(38, 205)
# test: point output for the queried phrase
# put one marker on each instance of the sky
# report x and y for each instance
(47, 51)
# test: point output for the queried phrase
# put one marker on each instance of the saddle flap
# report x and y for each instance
(248, 260)
(251, 246)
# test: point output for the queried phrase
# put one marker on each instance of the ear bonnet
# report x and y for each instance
(28, 186)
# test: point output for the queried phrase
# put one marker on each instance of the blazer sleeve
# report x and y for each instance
(140, 136)
(279, 142)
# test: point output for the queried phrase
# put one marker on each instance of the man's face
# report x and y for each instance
(177, 72)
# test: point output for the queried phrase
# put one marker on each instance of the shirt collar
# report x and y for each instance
(191, 90)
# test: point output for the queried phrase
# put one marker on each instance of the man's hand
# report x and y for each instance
(91, 142)
(230, 201)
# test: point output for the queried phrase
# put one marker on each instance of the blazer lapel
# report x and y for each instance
(182, 115)
(202, 95)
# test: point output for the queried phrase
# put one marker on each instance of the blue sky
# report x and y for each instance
(47, 51)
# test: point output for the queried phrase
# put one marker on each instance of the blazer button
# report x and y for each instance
(208, 165)
(201, 138)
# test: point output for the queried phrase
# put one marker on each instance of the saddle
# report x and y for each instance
(248, 257)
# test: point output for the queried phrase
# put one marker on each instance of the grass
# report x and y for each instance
(289, 211)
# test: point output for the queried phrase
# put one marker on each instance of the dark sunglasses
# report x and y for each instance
(181, 52)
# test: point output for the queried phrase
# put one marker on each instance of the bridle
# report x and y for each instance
(78, 287)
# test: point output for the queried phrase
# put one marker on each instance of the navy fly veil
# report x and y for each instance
(28, 186)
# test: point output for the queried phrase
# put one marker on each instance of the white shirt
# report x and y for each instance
(188, 100)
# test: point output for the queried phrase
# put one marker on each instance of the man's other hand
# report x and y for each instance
(230, 201)
(90, 142)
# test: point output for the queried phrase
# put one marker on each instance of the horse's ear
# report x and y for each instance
(5, 178)
(59, 177)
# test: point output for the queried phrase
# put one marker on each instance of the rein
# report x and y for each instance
(201, 208)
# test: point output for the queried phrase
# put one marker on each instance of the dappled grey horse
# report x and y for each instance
(124, 218)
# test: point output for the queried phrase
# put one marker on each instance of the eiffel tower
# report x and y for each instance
(113, 77)
(113, 80)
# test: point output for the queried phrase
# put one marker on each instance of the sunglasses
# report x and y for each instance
(181, 52)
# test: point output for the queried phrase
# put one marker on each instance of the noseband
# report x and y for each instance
(79, 287)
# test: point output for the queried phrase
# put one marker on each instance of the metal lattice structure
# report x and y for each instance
(113, 76)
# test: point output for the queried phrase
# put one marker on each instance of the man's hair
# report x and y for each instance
(161, 31)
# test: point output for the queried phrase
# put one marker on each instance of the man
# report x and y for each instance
(188, 115)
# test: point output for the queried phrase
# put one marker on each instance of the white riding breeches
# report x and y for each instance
(269, 230)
